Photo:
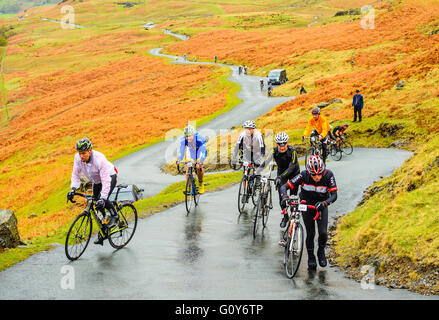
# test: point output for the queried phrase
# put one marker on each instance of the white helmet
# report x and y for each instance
(189, 131)
(281, 137)
(249, 124)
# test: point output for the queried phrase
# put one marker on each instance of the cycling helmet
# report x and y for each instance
(316, 110)
(315, 165)
(249, 124)
(189, 131)
(281, 137)
(83, 144)
(346, 125)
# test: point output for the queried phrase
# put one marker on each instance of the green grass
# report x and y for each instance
(167, 198)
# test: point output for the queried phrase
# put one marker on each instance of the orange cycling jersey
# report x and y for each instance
(321, 125)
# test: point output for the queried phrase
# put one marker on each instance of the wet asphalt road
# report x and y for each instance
(209, 254)
(143, 167)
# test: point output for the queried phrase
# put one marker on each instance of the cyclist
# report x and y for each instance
(338, 130)
(321, 126)
(287, 162)
(102, 173)
(269, 89)
(261, 83)
(318, 188)
(251, 143)
(197, 151)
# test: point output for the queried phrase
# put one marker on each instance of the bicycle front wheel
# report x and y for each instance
(190, 194)
(268, 204)
(78, 236)
(242, 194)
(257, 216)
(347, 148)
(311, 151)
(294, 250)
(123, 232)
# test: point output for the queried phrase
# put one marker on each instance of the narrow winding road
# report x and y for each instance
(211, 253)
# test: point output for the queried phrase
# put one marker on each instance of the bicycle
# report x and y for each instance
(264, 203)
(80, 231)
(315, 149)
(293, 235)
(191, 194)
(244, 188)
(344, 147)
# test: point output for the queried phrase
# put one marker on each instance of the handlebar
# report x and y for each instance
(86, 196)
(300, 208)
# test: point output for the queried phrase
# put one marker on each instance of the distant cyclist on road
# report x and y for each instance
(102, 173)
(321, 126)
(261, 84)
(269, 89)
(197, 151)
(287, 162)
(318, 188)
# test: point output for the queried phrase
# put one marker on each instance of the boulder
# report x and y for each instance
(322, 105)
(9, 237)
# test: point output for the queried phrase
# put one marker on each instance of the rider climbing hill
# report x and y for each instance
(321, 125)
(318, 188)
(197, 150)
(287, 162)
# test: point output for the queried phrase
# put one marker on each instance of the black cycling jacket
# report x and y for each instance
(287, 162)
(312, 192)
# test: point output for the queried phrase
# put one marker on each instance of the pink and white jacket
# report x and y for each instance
(98, 170)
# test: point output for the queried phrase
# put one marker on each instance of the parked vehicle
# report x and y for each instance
(277, 76)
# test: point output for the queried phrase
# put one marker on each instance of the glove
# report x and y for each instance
(321, 205)
(284, 201)
(71, 194)
(100, 204)
(278, 182)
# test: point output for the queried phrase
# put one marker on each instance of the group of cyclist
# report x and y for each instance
(318, 186)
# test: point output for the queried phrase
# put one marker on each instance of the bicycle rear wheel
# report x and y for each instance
(347, 147)
(78, 236)
(293, 251)
(123, 232)
(242, 194)
(335, 154)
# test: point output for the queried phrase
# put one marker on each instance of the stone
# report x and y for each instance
(9, 237)
(323, 104)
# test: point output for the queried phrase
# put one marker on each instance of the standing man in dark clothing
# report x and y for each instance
(357, 103)
(302, 90)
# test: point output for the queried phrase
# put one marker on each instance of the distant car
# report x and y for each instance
(277, 76)
(131, 193)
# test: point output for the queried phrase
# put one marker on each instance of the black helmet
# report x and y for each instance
(316, 110)
(83, 144)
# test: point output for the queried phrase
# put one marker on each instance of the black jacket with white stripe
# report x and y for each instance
(312, 192)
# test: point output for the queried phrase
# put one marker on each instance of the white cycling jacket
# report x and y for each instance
(98, 170)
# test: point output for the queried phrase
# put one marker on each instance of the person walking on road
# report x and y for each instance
(216, 58)
(357, 103)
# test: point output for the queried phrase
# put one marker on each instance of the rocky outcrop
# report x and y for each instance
(350, 12)
(9, 237)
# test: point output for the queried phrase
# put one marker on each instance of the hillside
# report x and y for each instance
(99, 80)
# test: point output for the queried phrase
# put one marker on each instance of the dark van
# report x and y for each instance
(277, 76)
